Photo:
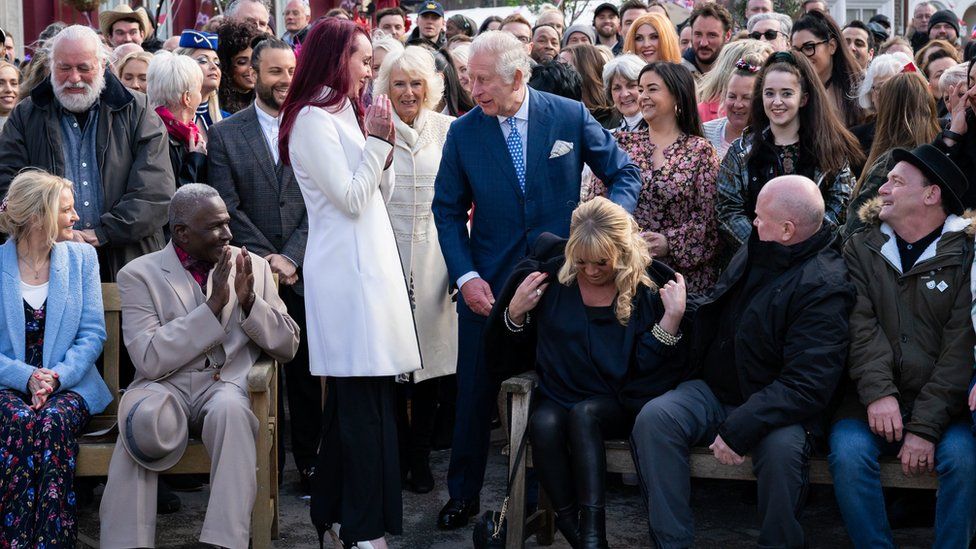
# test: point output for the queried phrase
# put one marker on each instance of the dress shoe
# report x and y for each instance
(457, 512)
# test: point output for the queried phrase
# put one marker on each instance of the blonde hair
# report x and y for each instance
(143, 56)
(667, 45)
(33, 203)
(715, 82)
(212, 101)
(601, 229)
(417, 62)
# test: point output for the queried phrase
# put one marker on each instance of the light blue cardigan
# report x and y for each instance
(74, 323)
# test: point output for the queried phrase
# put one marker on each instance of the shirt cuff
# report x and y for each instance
(466, 277)
(293, 262)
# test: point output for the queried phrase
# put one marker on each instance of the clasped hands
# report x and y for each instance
(917, 455)
(243, 282)
(41, 385)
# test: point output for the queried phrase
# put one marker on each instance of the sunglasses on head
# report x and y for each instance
(769, 35)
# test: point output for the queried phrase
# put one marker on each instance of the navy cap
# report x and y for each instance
(431, 7)
(198, 40)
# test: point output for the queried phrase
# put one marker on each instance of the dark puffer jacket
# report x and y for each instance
(911, 333)
(792, 340)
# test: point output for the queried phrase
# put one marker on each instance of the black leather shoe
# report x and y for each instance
(456, 513)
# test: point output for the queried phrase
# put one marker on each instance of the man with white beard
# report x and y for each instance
(84, 125)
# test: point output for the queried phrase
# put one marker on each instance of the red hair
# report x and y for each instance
(324, 62)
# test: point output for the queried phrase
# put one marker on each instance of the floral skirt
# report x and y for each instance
(37, 468)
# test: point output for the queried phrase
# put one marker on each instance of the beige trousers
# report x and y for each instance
(220, 413)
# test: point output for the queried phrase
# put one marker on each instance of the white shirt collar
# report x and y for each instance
(522, 115)
(265, 118)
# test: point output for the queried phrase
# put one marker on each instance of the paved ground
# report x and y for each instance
(725, 515)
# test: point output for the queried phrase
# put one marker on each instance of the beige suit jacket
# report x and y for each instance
(168, 328)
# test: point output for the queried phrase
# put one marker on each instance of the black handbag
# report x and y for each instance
(491, 530)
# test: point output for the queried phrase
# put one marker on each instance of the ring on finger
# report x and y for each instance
(538, 292)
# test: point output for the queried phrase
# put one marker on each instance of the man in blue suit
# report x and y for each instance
(517, 158)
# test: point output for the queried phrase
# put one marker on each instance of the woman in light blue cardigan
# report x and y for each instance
(51, 332)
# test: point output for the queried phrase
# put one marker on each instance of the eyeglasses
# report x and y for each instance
(769, 35)
(810, 48)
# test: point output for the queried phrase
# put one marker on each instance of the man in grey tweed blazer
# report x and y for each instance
(268, 216)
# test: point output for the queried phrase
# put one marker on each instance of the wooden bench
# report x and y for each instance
(518, 392)
(96, 452)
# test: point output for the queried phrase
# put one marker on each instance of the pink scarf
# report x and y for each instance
(185, 133)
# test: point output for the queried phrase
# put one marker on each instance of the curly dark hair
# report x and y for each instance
(233, 37)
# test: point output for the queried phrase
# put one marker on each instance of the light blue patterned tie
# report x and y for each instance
(514, 143)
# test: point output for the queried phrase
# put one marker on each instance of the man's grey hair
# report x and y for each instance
(509, 54)
(304, 3)
(169, 77)
(231, 10)
(924, 4)
(79, 33)
(785, 23)
(627, 65)
(186, 201)
(798, 199)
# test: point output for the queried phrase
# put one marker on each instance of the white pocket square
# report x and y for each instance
(560, 148)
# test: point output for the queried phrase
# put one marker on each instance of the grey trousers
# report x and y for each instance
(690, 415)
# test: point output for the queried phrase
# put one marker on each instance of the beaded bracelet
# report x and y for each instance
(511, 325)
(664, 337)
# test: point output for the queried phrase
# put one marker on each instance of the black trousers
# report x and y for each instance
(357, 476)
(304, 394)
(568, 451)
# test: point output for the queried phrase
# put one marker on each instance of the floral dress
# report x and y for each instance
(37, 457)
(678, 200)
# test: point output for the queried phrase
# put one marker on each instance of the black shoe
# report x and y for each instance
(166, 501)
(421, 479)
(593, 527)
(456, 513)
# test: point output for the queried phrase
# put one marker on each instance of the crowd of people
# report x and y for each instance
(743, 231)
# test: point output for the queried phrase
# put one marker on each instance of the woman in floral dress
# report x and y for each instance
(676, 206)
(51, 331)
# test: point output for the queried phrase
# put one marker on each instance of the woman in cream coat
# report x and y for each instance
(361, 331)
(410, 80)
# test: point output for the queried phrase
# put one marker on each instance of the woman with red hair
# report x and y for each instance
(359, 321)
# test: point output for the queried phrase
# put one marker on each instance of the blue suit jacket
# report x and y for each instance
(74, 323)
(477, 168)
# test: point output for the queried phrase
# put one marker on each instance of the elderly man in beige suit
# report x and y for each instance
(195, 317)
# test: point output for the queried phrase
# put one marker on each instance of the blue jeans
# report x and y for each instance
(854, 453)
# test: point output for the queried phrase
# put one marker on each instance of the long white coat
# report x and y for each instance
(416, 158)
(359, 321)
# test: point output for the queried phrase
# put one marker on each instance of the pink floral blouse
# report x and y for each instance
(678, 201)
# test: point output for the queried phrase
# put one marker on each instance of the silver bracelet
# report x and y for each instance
(511, 325)
(664, 337)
